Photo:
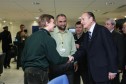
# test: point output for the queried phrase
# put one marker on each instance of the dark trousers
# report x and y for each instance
(35, 76)
(123, 81)
(91, 80)
(57, 70)
(20, 49)
(83, 74)
(7, 59)
(116, 80)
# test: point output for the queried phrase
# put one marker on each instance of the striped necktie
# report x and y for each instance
(89, 35)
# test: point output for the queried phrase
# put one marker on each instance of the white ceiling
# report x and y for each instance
(24, 10)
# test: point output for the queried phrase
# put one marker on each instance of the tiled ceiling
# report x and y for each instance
(26, 10)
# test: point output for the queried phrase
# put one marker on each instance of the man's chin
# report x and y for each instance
(61, 28)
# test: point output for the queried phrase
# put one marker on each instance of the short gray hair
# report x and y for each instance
(113, 22)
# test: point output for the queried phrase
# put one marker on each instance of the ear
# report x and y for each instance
(91, 19)
(46, 23)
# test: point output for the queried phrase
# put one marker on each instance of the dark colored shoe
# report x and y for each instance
(17, 68)
(9, 66)
(5, 67)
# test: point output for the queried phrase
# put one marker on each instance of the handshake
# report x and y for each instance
(71, 59)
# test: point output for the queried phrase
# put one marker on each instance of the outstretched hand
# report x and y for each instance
(71, 59)
(111, 75)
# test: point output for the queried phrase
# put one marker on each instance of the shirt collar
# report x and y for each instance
(92, 28)
(111, 30)
(42, 29)
(57, 30)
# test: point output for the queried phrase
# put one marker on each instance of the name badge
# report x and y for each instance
(62, 50)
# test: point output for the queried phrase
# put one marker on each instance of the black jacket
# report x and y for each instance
(101, 53)
(119, 41)
(83, 61)
(5, 36)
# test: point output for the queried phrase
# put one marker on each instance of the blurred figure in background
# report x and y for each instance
(5, 36)
(123, 81)
(20, 37)
(118, 40)
(82, 71)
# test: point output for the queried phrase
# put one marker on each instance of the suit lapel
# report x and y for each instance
(94, 32)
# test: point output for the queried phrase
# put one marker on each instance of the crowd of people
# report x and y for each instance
(97, 56)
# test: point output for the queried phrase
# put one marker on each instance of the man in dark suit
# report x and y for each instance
(82, 63)
(118, 40)
(123, 81)
(100, 50)
(5, 36)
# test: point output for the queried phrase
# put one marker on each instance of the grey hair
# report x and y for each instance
(113, 22)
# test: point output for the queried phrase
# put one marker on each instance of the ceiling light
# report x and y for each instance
(115, 18)
(10, 22)
(109, 3)
(35, 3)
(37, 18)
(4, 21)
(34, 23)
(125, 16)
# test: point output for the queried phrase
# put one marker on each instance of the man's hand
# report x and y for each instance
(77, 46)
(111, 75)
(75, 66)
(71, 59)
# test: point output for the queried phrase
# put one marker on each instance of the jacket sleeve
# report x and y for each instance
(51, 52)
(111, 50)
(121, 51)
(9, 38)
(80, 52)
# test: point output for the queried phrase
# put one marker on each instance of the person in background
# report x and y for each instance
(123, 81)
(5, 36)
(100, 50)
(118, 40)
(36, 59)
(82, 63)
(65, 47)
(20, 37)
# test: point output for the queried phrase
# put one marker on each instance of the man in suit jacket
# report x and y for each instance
(82, 63)
(118, 40)
(5, 36)
(123, 81)
(100, 50)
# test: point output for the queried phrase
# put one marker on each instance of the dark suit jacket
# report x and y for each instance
(5, 36)
(101, 53)
(83, 61)
(119, 41)
(124, 61)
